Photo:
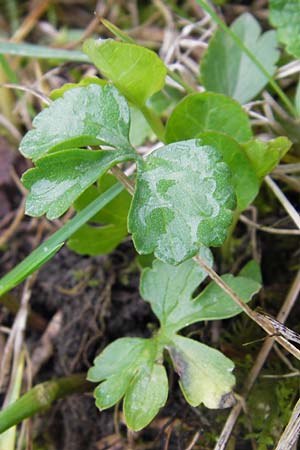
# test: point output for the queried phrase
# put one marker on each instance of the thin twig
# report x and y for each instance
(290, 435)
(14, 225)
(260, 361)
(266, 229)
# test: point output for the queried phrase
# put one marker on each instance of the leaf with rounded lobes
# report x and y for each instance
(170, 290)
(227, 69)
(108, 228)
(167, 287)
(208, 111)
(246, 183)
(59, 178)
(117, 357)
(205, 373)
(146, 394)
(264, 156)
(183, 199)
(89, 115)
(136, 71)
(285, 16)
(130, 367)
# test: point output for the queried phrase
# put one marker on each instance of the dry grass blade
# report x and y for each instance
(291, 433)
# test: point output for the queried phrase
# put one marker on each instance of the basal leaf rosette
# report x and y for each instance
(184, 198)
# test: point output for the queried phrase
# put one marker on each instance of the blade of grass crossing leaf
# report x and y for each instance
(238, 41)
(47, 249)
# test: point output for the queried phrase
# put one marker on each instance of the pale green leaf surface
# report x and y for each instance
(136, 71)
(246, 183)
(252, 270)
(208, 111)
(59, 92)
(285, 16)
(183, 199)
(92, 239)
(108, 393)
(88, 115)
(168, 288)
(146, 394)
(264, 156)
(117, 357)
(227, 69)
(59, 178)
(205, 373)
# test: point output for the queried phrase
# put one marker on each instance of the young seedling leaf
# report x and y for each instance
(89, 115)
(59, 92)
(130, 367)
(170, 289)
(146, 394)
(227, 69)
(246, 183)
(58, 179)
(264, 156)
(285, 16)
(108, 228)
(183, 199)
(205, 373)
(208, 111)
(136, 71)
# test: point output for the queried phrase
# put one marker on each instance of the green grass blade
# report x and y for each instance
(42, 52)
(47, 249)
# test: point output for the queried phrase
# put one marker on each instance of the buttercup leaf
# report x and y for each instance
(136, 71)
(58, 179)
(227, 69)
(88, 115)
(208, 111)
(285, 16)
(183, 199)
(205, 373)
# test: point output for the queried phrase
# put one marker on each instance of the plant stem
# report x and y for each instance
(41, 398)
(154, 122)
(251, 55)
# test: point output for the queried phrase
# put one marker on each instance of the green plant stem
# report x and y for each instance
(41, 398)
(226, 247)
(154, 122)
(47, 249)
(253, 58)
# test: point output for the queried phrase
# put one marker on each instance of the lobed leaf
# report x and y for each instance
(205, 373)
(89, 115)
(264, 156)
(227, 69)
(58, 179)
(128, 367)
(285, 16)
(170, 290)
(208, 111)
(246, 183)
(136, 71)
(183, 199)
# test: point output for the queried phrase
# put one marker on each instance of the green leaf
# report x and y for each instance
(264, 156)
(252, 270)
(225, 67)
(214, 304)
(89, 115)
(285, 16)
(129, 367)
(57, 93)
(246, 183)
(208, 111)
(60, 178)
(205, 373)
(183, 199)
(93, 239)
(146, 394)
(136, 71)
(169, 289)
